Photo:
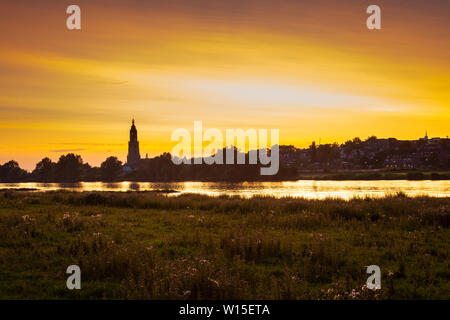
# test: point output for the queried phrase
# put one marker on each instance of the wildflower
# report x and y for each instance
(214, 281)
(27, 219)
(187, 293)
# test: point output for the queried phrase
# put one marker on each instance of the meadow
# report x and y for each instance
(147, 245)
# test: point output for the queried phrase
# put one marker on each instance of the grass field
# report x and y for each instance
(150, 246)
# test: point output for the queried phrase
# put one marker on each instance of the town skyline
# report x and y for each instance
(131, 148)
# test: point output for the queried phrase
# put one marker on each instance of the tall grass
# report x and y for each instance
(151, 246)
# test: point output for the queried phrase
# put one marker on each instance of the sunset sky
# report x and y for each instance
(309, 68)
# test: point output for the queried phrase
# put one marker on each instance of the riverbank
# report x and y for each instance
(292, 175)
(375, 175)
(150, 246)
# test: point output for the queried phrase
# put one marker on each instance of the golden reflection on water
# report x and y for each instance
(310, 189)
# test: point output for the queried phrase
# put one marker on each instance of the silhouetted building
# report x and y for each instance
(133, 147)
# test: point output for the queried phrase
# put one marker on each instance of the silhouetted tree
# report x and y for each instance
(90, 173)
(11, 172)
(69, 168)
(111, 169)
(44, 171)
(327, 153)
(313, 152)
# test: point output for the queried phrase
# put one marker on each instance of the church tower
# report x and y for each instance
(133, 147)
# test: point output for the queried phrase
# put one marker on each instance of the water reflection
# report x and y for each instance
(111, 185)
(134, 186)
(304, 188)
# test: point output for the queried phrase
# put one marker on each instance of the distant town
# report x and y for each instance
(423, 153)
(373, 158)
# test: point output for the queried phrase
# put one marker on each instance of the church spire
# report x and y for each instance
(133, 146)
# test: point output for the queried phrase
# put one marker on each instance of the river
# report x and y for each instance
(310, 189)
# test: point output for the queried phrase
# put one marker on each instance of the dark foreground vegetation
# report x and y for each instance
(152, 246)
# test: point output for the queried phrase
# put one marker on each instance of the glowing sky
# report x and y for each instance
(309, 68)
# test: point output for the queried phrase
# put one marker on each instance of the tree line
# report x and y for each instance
(71, 168)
